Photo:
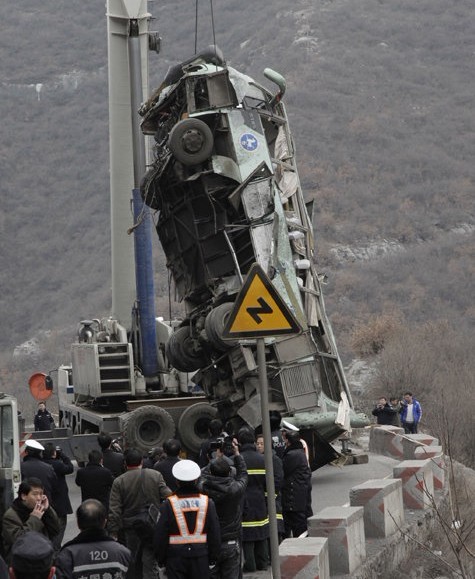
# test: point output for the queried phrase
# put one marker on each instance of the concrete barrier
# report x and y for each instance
(412, 441)
(387, 440)
(304, 558)
(344, 529)
(417, 483)
(437, 462)
(383, 507)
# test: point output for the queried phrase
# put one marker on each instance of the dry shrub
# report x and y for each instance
(435, 362)
(370, 338)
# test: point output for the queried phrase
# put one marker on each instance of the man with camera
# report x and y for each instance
(227, 491)
(384, 412)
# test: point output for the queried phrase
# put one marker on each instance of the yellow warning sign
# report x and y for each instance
(259, 310)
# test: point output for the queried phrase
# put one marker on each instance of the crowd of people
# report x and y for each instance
(159, 515)
(405, 412)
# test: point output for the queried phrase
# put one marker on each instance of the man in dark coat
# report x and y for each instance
(43, 419)
(278, 442)
(255, 519)
(62, 466)
(384, 412)
(33, 466)
(278, 482)
(112, 459)
(296, 490)
(227, 492)
(187, 537)
(165, 466)
(95, 479)
(31, 511)
(75, 560)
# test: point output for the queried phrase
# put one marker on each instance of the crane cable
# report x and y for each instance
(196, 24)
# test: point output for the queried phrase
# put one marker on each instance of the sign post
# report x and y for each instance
(259, 312)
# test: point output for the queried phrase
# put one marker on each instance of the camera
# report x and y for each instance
(216, 444)
(224, 444)
(59, 450)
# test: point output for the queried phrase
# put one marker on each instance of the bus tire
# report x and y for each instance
(191, 141)
(214, 325)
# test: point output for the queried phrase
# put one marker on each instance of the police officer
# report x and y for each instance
(34, 466)
(43, 419)
(187, 537)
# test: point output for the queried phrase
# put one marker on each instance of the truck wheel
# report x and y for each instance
(193, 425)
(214, 326)
(148, 427)
(181, 352)
(191, 141)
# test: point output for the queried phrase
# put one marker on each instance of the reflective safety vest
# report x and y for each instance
(182, 505)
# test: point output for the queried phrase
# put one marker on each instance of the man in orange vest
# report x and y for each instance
(187, 537)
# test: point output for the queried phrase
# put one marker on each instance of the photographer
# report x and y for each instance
(384, 412)
(215, 429)
(60, 502)
(227, 492)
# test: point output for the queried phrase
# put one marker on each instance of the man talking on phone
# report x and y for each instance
(31, 511)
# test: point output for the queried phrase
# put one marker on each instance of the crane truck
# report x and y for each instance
(222, 185)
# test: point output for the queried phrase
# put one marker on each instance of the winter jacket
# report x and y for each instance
(227, 493)
(167, 527)
(114, 461)
(416, 411)
(95, 482)
(18, 520)
(77, 559)
(297, 479)
(43, 420)
(278, 443)
(33, 466)
(255, 519)
(61, 466)
(130, 492)
(384, 415)
(278, 484)
(165, 467)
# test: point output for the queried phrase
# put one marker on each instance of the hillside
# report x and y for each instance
(381, 97)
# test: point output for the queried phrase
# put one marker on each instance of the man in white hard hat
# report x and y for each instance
(187, 537)
(34, 466)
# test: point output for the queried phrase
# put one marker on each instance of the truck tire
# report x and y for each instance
(148, 427)
(181, 352)
(191, 141)
(214, 325)
(193, 425)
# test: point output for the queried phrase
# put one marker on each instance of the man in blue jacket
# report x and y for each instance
(411, 413)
